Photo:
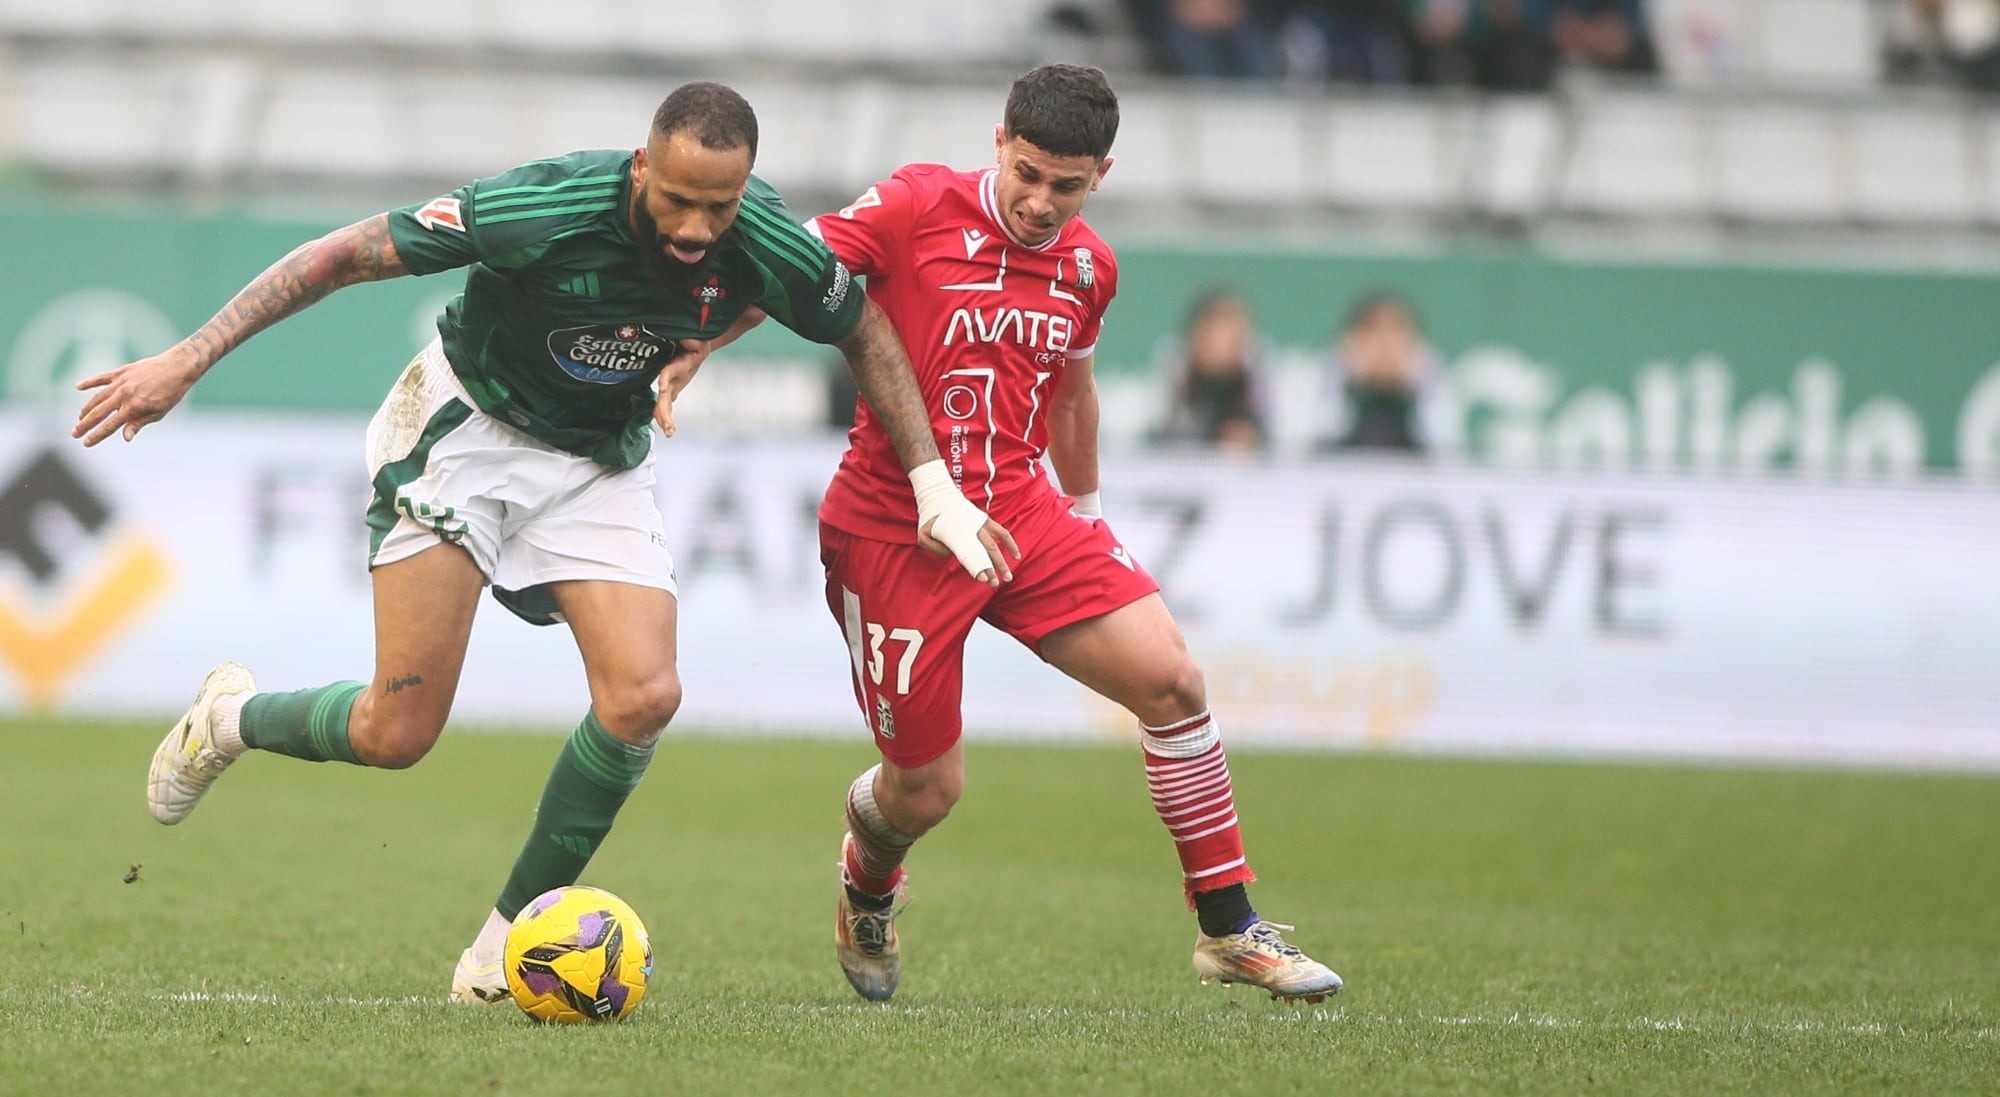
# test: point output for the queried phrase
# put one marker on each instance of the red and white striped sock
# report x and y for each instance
(1189, 778)
(874, 858)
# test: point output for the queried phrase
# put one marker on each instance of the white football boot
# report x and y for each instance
(1259, 957)
(189, 759)
(865, 940)
(474, 982)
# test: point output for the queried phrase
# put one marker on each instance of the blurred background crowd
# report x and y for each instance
(1517, 45)
(1391, 147)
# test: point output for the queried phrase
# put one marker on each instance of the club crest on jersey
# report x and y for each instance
(610, 354)
(1086, 269)
(441, 212)
(708, 293)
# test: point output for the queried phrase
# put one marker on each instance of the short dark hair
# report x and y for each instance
(1379, 300)
(713, 113)
(1068, 110)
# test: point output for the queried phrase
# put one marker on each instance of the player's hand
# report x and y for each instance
(949, 525)
(674, 378)
(988, 562)
(129, 397)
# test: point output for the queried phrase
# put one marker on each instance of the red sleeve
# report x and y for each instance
(1106, 277)
(874, 228)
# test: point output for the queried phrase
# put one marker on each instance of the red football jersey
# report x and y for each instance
(990, 326)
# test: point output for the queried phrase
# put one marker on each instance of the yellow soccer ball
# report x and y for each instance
(576, 955)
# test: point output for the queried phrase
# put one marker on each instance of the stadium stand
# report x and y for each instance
(1771, 114)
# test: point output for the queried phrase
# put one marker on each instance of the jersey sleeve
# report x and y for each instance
(1105, 277)
(874, 229)
(504, 220)
(806, 287)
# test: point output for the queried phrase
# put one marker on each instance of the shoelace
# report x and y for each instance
(870, 928)
(1266, 934)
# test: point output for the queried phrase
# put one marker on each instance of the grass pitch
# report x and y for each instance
(1504, 928)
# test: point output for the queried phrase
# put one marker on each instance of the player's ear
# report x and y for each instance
(999, 139)
(638, 166)
(1103, 169)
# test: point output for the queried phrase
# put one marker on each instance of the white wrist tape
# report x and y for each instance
(1088, 505)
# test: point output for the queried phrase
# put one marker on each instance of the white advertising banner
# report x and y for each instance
(1339, 605)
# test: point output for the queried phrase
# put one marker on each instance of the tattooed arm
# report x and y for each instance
(882, 371)
(947, 524)
(133, 395)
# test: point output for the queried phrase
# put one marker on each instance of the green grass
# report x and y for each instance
(1504, 928)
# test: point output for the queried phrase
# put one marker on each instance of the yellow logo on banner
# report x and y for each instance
(46, 648)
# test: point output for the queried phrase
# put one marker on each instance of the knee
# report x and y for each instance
(391, 740)
(1180, 690)
(923, 800)
(638, 712)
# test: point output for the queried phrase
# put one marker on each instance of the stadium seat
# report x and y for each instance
(1987, 144)
(1248, 149)
(1636, 156)
(325, 122)
(946, 126)
(1778, 163)
(797, 137)
(99, 116)
(78, 18)
(1149, 160)
(1517, 148)
(1911, 166)
(1395, 154)
(1817, 44)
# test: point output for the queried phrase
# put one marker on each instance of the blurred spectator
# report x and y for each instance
(1517, 45)
(1385, 384)
(1346, 42)
(1218, 398)
(1608, 35)
(1944, 41)
(1501, 45)
(1214, 39)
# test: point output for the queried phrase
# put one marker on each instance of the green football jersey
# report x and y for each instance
(563, 324)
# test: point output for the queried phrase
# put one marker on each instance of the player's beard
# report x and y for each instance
(651, 250)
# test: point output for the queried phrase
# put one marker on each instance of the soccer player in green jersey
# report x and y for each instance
(516, 451)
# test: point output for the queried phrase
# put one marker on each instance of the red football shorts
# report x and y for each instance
(906, 614)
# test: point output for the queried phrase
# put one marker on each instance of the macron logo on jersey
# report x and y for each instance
(974, 240)
(441, 211)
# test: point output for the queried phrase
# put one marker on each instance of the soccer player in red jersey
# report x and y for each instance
(998, 289)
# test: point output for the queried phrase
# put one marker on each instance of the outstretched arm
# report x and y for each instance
(947, 523)
(134, 395)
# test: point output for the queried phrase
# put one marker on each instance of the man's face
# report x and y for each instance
(684, 196)
(1383, 348)
(1039, 191)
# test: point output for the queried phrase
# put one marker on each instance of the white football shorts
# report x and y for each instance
(530, 514)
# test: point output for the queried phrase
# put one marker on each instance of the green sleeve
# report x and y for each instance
(505, 220)
(806, 288)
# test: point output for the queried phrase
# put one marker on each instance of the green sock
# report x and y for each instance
(590, 781)
(305, 723)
